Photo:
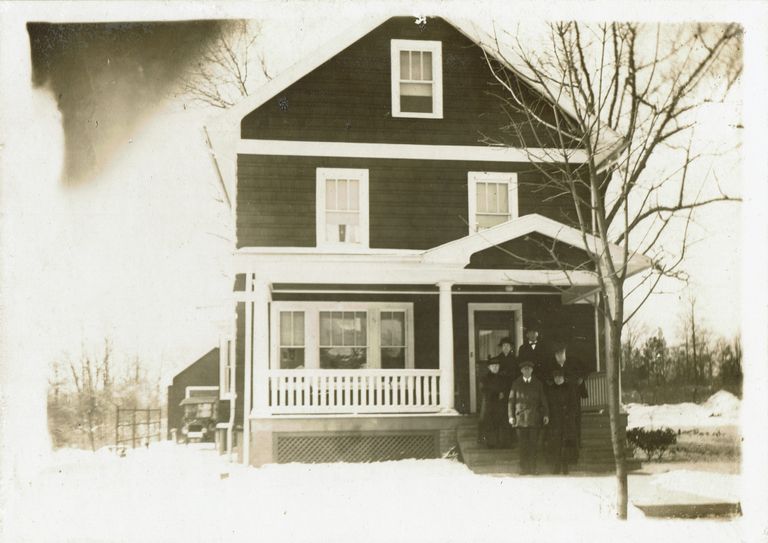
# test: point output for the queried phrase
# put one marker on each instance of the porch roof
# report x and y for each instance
(445, 263)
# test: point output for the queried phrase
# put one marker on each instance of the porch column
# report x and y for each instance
(446, 346)
(261, 298)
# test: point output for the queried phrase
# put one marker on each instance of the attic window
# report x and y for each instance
(417, 79)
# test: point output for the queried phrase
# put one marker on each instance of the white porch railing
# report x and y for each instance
(597, 389)
(354, 391)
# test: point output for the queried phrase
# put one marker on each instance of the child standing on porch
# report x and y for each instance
(493, 387)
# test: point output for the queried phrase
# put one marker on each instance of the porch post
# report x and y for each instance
(446, 346)
(261, 298)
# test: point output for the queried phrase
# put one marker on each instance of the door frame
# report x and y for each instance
(517, 309)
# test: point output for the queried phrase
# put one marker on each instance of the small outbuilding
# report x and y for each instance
(195, 387)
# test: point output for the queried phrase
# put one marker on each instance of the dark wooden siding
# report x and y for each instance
(414, 204)
(203, 372)
(535, 252)
(348, 98)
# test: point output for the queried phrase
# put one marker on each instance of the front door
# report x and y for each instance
(489, 324)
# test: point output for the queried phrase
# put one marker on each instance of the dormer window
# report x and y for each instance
(417, 79)
(342, 208)
(492, 199)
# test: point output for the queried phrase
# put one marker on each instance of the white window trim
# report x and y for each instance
(329, 173)
(191, 388)
(312, 329)
(434, 47)
(473, 178)
(226, 355)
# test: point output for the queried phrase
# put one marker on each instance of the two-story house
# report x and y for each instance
(383, 248)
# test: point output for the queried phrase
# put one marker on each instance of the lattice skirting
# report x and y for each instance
(354, 447)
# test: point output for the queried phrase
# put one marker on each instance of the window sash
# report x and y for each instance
(492, 199)
(342, 207)
(416, 78)
(365, 335)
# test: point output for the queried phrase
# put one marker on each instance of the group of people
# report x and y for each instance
(533, 396)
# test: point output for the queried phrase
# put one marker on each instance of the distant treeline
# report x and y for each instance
(85, 391)
(691, 371)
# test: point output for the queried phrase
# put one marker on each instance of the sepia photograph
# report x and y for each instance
(342, 271)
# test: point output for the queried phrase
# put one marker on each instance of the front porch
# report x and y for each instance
(358, 392)
(389, 335)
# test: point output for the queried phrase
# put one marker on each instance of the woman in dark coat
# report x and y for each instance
(562, 433)
(493, 428)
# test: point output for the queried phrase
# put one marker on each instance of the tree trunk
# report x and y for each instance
(613, 355)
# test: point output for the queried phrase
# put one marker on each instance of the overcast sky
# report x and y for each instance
(121, 235)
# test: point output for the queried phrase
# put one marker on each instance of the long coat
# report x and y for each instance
(527, 403)
(562, 430)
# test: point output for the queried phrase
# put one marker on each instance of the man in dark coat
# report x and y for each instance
(533, 350)
(561, 439)
(528, 411)
(493, 388)
(574, 373)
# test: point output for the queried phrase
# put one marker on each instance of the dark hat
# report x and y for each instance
(525, 363)
(558, 371)
(491, 361)
(506, 340)
(533, 326)
(558, 346)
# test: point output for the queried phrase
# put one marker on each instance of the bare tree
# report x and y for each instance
(626, 97)
(90, 376)
(230, 67)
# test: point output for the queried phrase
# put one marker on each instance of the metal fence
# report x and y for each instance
(137, 427)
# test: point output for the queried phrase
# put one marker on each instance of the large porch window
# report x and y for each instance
(342, 336)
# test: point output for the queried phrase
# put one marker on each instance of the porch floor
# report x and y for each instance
(595, 456)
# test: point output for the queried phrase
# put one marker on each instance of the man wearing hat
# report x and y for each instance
(574, 373)
(493, 388)
(561, 439)
(528, 411)
(533, 350)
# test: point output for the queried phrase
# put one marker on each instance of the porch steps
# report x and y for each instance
(595, 456)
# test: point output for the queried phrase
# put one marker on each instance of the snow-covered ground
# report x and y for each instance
(170, 493)
(721, 409)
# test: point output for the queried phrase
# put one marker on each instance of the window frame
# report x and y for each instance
(226, 367)
(473, 178)
(321, 177)
(434, 47)
(312, 330)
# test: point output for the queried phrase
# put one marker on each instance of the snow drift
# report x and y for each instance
(721, 409)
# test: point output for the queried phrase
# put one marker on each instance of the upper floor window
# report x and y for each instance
(417, 79)
(342, 207)
(492, 199)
